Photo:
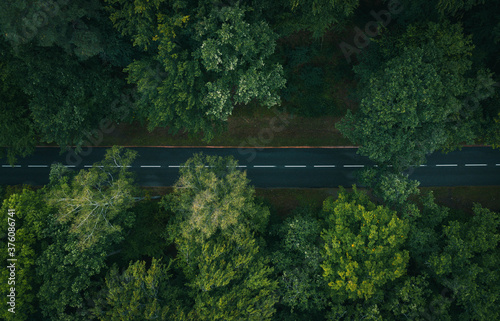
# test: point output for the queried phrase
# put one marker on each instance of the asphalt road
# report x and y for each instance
(269, 167)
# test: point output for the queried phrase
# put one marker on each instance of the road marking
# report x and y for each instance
(497, 164)
(69, 165)
(176, 166)
(38, 166)
(324, 165)
(242, 166)
(354, 165)
(302, 166)
(258, 166)
(448, 165)
(476, 165)
(11, 166)
(148, 166)
(423, 165)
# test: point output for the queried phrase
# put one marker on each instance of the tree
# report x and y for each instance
(363, 247)
(297, 262)
(213, 194)
(137, 293)
(416, 102)
(201, 61)
(393, 188)
(27, 222)
(95, 201)
(425, 232)
(216, 218)
(68, 273)
(468, 264)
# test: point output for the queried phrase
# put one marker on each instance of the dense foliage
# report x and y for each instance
(210, 253)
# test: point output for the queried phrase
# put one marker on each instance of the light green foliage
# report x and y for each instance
(234, 53)
(363, 247)
(95, 201)
(228, 277)
(137, 293)
(28, 223)
(297, 262)
(393, 188)
(468, 264)
(415, 102)
(217, 197)
(202, 60)
(216, 218)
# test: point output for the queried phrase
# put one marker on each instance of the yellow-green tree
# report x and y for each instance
(364, 248)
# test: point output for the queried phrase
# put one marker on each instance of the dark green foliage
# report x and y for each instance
(416, 102)
(297, 262)
(202, 61)
(306, 83)
(145, 237)
(468, 264)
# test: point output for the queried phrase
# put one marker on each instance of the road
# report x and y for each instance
(269, 167)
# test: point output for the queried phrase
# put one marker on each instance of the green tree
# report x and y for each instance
(393, 188)
(363, 247)
(297, 262)
(468, 264)
(213, 194)
(415, 103)
(96, 201)
(68, 273)
(137, 293)
(28, 221)
(216, 218)
(202, 60)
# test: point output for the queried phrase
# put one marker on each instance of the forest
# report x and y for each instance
(401, 79)
(91, 245)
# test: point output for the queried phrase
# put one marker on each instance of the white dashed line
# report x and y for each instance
(301, 166)
(11, 166)
(446, 165)
(354, 165)
(476, 165)
(497, 164)
(324, 166)
(69, 165)
(36, 166)
(175, 166)
(263, 166)
(244, 166)
(423, 165)
(149, 166)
